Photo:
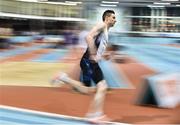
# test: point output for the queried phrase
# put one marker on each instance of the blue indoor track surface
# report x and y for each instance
(53, 56)
(20, 50)
(21, 39)
(112, 76)
(159, 58)
(18, 116)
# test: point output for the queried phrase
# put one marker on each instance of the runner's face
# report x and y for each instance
(112, 20)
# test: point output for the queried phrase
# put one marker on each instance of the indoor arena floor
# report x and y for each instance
(27, 97)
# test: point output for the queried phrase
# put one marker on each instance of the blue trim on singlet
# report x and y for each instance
(98, 40)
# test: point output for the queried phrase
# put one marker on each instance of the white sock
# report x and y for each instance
(63, 77)
(93, 115)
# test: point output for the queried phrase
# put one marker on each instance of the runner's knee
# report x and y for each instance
(102, 86)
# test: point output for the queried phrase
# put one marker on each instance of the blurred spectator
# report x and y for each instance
(5, 33)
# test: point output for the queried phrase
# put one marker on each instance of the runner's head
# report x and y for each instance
(109, 17)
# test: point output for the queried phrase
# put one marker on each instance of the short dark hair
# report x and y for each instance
(107, 13)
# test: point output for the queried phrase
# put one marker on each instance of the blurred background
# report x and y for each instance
(156, 17)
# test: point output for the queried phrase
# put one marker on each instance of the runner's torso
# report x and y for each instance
(100, 44)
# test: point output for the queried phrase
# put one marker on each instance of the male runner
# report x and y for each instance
(97, 41)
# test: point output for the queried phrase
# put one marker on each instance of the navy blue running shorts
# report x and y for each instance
(90, 71)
